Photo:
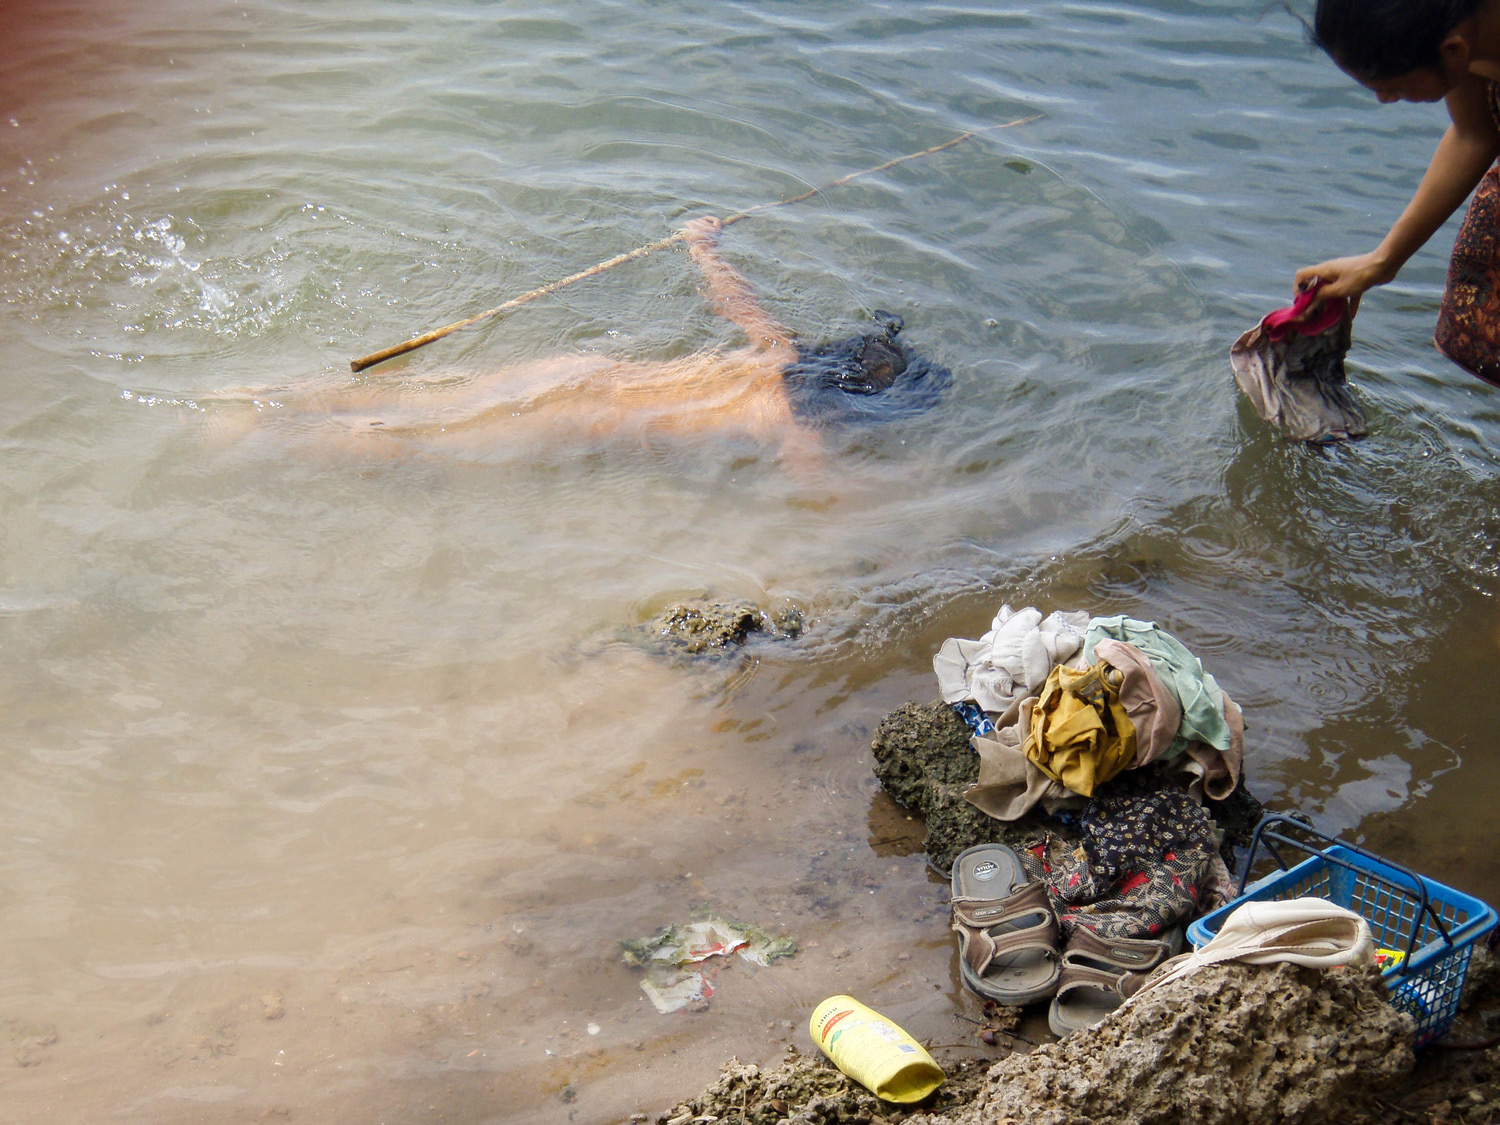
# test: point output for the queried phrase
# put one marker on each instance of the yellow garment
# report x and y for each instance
(1080, 733)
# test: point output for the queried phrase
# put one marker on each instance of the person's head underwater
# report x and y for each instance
(1403, 50)
(872, 377)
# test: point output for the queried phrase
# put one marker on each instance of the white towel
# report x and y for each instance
(1012, 660)
(1304, 931)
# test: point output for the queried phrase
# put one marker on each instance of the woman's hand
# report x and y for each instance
(1344, 277)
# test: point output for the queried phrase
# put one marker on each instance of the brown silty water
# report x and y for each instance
(331, 778)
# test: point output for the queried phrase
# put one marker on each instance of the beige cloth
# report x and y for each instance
(1305, 931)
(1151, 705)
(1010, 785)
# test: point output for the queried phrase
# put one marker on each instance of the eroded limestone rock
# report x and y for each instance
(1231, 1045)
(704, 627)
(924, 760)
(809, 1090)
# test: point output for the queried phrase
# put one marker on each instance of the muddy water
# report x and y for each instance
(330, 779)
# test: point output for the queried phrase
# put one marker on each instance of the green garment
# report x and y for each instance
(1201, 698)
(1080, 733)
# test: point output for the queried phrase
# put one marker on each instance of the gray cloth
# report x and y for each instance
(1297, 383)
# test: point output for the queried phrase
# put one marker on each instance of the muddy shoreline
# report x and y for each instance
(1238, 1045)
(1234, 1045)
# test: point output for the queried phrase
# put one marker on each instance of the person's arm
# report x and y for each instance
(1466, 151)
(729, 292)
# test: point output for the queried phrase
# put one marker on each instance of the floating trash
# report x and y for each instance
(667, 956)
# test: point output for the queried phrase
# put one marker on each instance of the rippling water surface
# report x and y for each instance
(330, 779)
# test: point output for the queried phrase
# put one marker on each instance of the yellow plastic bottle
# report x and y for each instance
(873, 1051)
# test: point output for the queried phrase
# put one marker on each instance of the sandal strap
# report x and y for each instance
(1075, 977)
(986, 912)
(1117, 955)
(1115, 966)
(974, 919)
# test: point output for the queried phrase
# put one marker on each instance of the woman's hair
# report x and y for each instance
(1379, 39)
(872, 377)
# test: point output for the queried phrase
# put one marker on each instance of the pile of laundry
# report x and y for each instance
(1115, 729)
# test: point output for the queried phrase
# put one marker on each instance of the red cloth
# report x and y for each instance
(1281, 323)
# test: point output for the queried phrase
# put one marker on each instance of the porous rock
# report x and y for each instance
(702, 626)
(809, 1090)
(924, 760)
(1231, 1045)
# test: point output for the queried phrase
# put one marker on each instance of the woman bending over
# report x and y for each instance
(1428, 51)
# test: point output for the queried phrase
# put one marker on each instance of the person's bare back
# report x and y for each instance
(768, 390)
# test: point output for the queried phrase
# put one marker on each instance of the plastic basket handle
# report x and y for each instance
(1266, 834)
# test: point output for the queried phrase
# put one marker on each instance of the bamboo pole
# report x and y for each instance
(650, 248)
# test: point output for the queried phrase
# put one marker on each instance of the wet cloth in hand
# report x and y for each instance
(1009, 662)
(1080, 732)
(1293, 371)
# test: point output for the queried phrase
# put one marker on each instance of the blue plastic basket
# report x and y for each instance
(1434, 926)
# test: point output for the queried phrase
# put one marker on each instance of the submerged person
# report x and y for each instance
(1428, 51)
(771, 389)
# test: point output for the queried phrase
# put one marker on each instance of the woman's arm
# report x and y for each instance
(729, 292)
(1466, 151)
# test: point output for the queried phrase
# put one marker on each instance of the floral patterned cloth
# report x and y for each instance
(1148, 860)
(1468, 327)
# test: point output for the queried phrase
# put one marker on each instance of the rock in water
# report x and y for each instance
(924, 760)
(707, 627)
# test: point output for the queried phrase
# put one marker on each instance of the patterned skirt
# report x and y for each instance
(1468, 327)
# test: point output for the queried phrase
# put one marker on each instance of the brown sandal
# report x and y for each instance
(1006, 927)
(1099, 973)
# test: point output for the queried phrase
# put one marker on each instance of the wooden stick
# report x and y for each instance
(660, 244)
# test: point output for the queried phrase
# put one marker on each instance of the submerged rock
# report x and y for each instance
(700, 627)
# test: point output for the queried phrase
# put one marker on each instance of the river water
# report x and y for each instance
(330, 779)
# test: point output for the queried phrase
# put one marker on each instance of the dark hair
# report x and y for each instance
(1379, 39)
(872, 377)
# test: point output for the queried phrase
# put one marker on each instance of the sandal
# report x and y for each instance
(1006, 927)
(1098, 973)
